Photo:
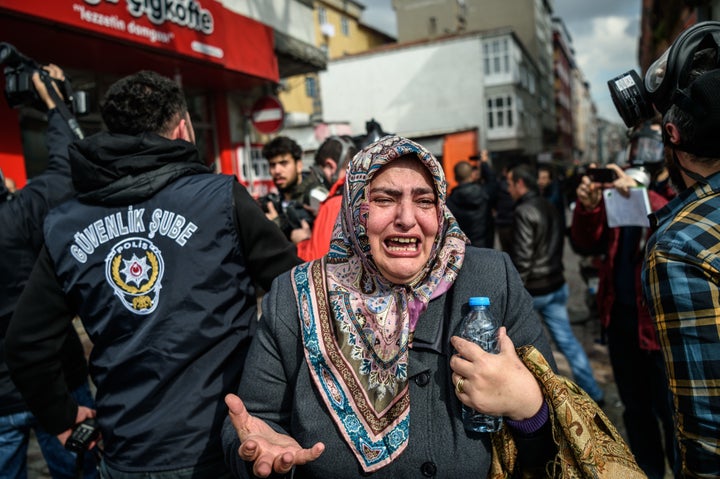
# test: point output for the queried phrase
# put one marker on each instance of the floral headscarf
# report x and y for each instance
(358, 326)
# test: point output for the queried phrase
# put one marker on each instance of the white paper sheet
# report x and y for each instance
(622, 211)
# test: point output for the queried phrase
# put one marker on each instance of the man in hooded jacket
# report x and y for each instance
(159, 257)
(471, 203)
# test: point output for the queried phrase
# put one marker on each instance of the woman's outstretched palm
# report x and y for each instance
(269, 450)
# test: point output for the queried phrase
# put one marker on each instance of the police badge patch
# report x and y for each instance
(134, 268)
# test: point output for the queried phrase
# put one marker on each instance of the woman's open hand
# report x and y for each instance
(496, 384)
(259, 443)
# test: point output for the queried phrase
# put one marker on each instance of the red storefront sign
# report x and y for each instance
(198, 29)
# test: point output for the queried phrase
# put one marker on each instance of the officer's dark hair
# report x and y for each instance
(143, 102)
(526, 173)
(282, 145)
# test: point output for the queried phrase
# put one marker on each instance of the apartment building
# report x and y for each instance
(530, 20)
(457, 95)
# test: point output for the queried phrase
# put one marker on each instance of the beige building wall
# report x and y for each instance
(419, 19)
(339, 32)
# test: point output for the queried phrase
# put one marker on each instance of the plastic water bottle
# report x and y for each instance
(481, 328)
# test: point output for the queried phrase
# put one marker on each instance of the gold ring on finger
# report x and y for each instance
(459, 385)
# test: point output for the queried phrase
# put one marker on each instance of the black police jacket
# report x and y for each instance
(159, 258)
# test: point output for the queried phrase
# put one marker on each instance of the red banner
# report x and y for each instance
(201, 29)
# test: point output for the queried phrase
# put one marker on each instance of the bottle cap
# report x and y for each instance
(479, 301)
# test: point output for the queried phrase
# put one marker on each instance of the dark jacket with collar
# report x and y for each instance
(470, 205)
(438, 445)
(21, 222)
(537, 248)
(159, 257)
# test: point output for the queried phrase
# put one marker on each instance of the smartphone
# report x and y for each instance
(601, 175)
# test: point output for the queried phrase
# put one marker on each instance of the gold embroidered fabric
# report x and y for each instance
(588, 444)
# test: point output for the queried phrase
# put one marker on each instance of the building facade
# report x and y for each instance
(458, 95)
(564, 64)
(585, 121)
(226, 55)
(530, 20)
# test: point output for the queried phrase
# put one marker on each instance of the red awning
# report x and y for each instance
(204, 42)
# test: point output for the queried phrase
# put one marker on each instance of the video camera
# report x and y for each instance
(20, 90)
(667, 78)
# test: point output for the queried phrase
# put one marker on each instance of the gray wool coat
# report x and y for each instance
(277, 387)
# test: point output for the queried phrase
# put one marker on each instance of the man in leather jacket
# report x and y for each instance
(537, 252)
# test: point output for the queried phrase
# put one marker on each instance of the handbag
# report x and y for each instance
(589, 445)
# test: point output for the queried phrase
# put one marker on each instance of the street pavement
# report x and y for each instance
(585, 325)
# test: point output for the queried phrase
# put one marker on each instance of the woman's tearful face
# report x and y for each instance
(402, 219)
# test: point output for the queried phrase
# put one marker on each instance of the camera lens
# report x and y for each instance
(630, 99)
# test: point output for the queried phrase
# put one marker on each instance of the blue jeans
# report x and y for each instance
(15, 436)
(553, 308)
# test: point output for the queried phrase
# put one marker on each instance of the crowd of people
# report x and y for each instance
(365, 263)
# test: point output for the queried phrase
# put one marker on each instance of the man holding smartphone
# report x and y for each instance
(632, 343)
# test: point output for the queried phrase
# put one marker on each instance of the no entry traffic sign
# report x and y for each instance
(267, 114)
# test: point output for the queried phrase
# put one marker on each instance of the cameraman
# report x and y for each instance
(633, 347)
(681, 275)
(22, 215)
(292, 205)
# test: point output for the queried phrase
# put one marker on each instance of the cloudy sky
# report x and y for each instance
(604, 36)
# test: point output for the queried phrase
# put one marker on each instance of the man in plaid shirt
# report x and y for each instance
(681, 275)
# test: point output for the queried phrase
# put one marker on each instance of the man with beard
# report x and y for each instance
(634, 350)
(291, 205)
(681, 275)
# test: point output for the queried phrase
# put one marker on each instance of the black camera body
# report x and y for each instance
(82, 436)
(20, 90)
(290, 216)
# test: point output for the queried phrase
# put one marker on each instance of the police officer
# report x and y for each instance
(159, 257)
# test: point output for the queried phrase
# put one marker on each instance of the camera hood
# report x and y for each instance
(10, 56)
